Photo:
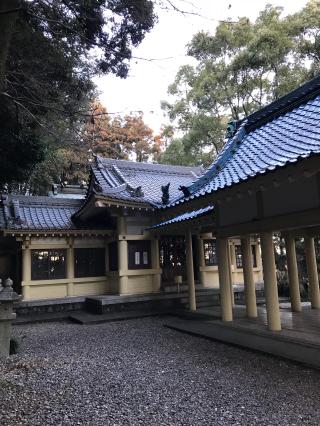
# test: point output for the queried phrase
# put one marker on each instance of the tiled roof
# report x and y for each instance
(140, 182)
(43, 213)
(185, 217)
(284, 132)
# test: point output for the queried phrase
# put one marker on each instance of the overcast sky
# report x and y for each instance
(148, 81)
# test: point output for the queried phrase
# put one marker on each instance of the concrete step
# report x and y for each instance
(173, 288)
(87, 318)
(41, 317)
(141, 302)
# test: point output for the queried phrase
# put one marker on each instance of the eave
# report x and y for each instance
(95, 202)
(56, 232)
(268, 180)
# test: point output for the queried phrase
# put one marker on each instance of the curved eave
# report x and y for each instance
(115, 202)
(55, 232)
(186, 220)
(260, 181)
(95, 201)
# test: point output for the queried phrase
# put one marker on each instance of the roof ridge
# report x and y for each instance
(285, 103)
(229, 149)
(144, 164)
(42, 200)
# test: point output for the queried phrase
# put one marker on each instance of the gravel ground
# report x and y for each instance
(139, 373)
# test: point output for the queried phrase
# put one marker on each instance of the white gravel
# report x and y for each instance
(139, 373)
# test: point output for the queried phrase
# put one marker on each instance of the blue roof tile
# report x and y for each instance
(281, 133)
(119, 179)
(184, 217)
(18, 212)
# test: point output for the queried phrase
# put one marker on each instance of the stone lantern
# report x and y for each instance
(7, 299)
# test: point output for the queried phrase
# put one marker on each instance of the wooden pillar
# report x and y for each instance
(123, 266)
(293, 273)
(224, 279)
(122, 255)
(201, 260)
(230, 257)
(155, 261)
(270, 282)
(106, 259)
(26, 271)
(248, 277)
(190, 272)
(70, 267)
(312, 272)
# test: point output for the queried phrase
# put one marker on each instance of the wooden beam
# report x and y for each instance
(304, 219)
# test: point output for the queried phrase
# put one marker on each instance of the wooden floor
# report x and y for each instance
(299, 339)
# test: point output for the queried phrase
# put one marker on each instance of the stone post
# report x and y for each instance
(270, 282)
(224, 279)
(312, 272)
(293, 273)
(7, 298)
(248, 277)
(190, 272)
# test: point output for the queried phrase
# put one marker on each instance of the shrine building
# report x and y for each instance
(103, 241)
(142, 226)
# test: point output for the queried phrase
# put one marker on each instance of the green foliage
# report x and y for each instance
(241, 67)
(52, 51)
(20, 145)
(175, 154)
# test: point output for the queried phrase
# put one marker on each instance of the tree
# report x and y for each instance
(139, 138)
(49, 54)
(176, 155)
(120, 137)
(102, 134)
(241, 67)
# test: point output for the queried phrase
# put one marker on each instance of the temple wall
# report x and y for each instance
(136, 225)
(64, 287)
(125, 280)
(210, 275)
(137, 284)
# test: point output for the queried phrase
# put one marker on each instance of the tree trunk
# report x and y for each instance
(8, 16)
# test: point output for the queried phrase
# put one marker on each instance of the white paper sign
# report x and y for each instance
(137, 258)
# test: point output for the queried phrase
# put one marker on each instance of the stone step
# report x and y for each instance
(183, 287)
(87, 318)
(41, 317)
(151, 302)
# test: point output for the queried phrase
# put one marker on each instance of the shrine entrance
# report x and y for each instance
(172, 251)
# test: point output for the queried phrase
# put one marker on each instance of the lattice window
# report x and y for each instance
(89, 262)
(48, 264)
(113, 256)
(172, 257)
(210, 252)
(238, 253)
